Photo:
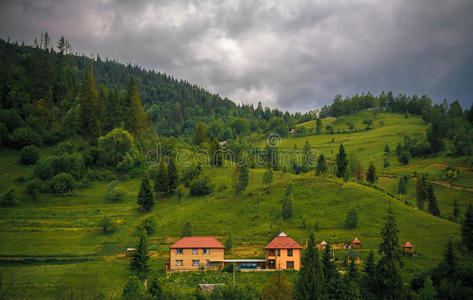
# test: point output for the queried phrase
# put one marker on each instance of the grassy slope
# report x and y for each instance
(65, 227)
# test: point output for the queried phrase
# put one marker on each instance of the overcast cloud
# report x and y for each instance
(293, 55)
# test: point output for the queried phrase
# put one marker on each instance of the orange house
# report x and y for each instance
(194, 253)
(283, 253)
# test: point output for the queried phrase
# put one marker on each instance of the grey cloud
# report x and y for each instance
(293, 55)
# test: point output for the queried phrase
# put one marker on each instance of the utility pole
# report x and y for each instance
(234, 284)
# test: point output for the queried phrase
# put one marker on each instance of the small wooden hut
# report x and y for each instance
(352, 256)
(407, 249)
(356, 244)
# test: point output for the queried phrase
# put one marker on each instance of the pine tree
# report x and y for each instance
(456, 211)
(161, 181)
(135, 119)
(200, 135)
(186, 230)
(311, 283)
(353, 273)
(133, 289)
(329, 267)
(139, 259)
(390, 285)
(342, 162)
(172, 175)
(420, 192)
(371, 174)
(229, 243)
(113, 113)
(386, 149)
(89, 110)
(467, 228)
(450, 262)
(243, 178)
(432, 204)
(318, 125)
(369, 276)
(402, 188)
(287, 205)
(427, 292)
(216, 154)
(155, 289)
(145, 196)
(267, 178)
(321, 165)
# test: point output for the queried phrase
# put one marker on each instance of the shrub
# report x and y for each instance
(49, 166)
(449, 174)
(126, 164)
(25, 136)
(200, 186)
(404, 158)
(114, 193)
(386, 163)
(66, 147)
(115, 145)
(29, 155)
(9, 198)
(351, 220)
(62, 183)
(33, 188)
(106, 224)
(189, 173)
(148, 225)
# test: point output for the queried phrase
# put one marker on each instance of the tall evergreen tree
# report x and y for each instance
(341, 161)
(216, 154)
(390, 285)
(329, 267)
(456, 211)
(287, 205)
(89, 110)
(371, 174)
(113, 113)
(467, 228)
(420, 192)
(311, 283)
(243, 178)
(369, 277)
(145, 196)
(186, 230)
(402, 187)
(139, 259)
(172, 175)
(161, 180)
(318, 125)
(432, 204)
(321, 165)
(135, 119)
(200, 134)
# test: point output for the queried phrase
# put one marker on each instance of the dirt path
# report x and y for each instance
(456, 187)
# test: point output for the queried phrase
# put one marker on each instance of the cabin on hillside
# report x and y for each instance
(407, 249)
(356, 244)
(352, 256)
(223, 143)
(322, 245)
(283, 253)
(293, 132)
(194, 253)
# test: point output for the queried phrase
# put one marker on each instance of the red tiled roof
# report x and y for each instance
(282, 241)
(407, 245)
(198, 242)
(356, 241)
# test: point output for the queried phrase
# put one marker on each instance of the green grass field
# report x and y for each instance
(49, 243)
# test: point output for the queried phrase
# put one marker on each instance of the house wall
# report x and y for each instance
(187, 257)
(283, 258)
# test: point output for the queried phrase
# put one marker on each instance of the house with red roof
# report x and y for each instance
(407, 249)
(283, 253)
(356, 244)
(194, 253)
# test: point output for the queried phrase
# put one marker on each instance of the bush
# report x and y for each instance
(9, 198)
(148, 225)
(449, 174)
(114, 146)
(65, 147)
(404, 158)
(189, 173)
(25, 136)
(62, 183)
(126, 164)
(351, 221)
(106, 224)
(29, 155)
(200, 186)
(33, 188)
(386, 163)
(49, 166)
(114, 193)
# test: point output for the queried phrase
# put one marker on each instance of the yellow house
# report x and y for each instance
(194, 253)
(283, 253)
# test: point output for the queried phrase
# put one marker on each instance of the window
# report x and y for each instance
(195, 251)
(178, 262)
(278, 252)
(206, 251)
(289, 252)
(178, 251)
(195, 262)
(289, 265)
(208, 262)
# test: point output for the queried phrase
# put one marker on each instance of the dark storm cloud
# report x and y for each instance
(295, 55)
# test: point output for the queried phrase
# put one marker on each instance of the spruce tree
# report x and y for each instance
(145, 196)
(139, 259)
(172, 175)
(371, 174)
(432, 204)
(216, 155)
(456, 211)
(311, 283)
(229, 243)
(402, 188)
(321, 165)
(420, 192)
(369, 276)
(341, 161)
(467, 228)
(155, 289)
(89, 110)
(186, 230)
(390, 285)
(329, 267)
(134, 117)
(113, 113)
(243, 178)
(200, 135)
(161, 181)
(318, 125)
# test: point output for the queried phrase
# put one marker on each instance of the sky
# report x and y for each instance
(294, 55)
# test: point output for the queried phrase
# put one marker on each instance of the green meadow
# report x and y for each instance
(52, 241)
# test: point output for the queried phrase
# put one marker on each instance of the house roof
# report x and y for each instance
(356, 241)
(282, 241)
(352, 254)
(407, 245)
(198, 242)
